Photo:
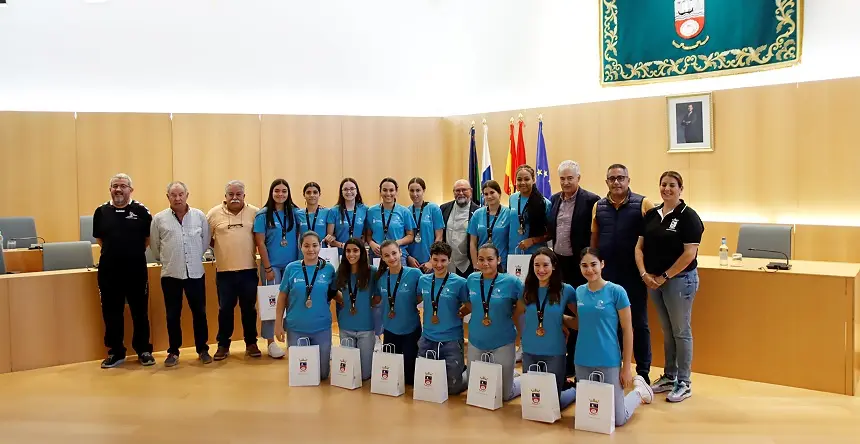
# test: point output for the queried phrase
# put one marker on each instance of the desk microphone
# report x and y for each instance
(775, 265)
(36, 246)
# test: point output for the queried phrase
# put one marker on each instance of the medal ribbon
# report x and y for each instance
(310, 286)
(308, 219)
(393, 296)
(541, 307)
(420, 215)
(283, 224)
(352, 291)
(435, 302)
(351, 223)
(385, 225)
(490, 227)
(485, 299)
(520, 214)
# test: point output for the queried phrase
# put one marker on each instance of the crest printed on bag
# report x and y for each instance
(535, 396)
(428, 379)
(384, 372)
(273, 302)
(593, 406)
(343, 366)
(689, 18)
(303, 365)
(482, 384)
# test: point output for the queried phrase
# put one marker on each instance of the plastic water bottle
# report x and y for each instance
(724, 254)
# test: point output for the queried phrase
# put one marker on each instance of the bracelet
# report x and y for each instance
(268, 268)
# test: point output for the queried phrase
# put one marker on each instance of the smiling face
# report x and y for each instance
(311, 249)
(349, 190)
(491, 197)
(312, 196)
(391, 256)
(235, 198)
(670, 190)
(352, 253)
(543, 268)
(569, 181)
(525, 181)
(488, 261)
(280, 193)
(618, 181)
(388, 193)
(439, 262)
(416, 193)
(591, 267)
(120, 191)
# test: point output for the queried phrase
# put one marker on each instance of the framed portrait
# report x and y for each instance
(691, 123)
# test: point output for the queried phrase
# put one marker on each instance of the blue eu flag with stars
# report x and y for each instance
(542, 172)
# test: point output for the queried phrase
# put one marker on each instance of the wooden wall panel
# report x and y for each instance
(136, 144)
(33, 341)
(302, 149)
(5, 338)
(210, 150)
(823, 243)
(38, 171)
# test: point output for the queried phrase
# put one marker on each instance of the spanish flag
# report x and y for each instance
(510, 168)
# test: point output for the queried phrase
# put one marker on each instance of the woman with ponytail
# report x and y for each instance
(528, 215)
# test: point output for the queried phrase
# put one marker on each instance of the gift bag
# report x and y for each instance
(388, 375)
(304, 364)
(346, 361)
(485, 383)
(595, 405)
(518, 265)
(331, 256)
(431, 379)
(540, 395)
(267, 300)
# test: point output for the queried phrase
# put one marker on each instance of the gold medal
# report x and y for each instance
(434, 319)
(391, 314)
(486, 321)
(541, 331)
(309, 303)
(352, 311)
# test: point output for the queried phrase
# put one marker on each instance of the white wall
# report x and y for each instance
(371, 57)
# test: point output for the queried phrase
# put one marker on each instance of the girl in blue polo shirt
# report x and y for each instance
(528, 215)
(600, 306)
(543, 302)
(427, 219)
(277, 239)
(313, 216)
(346, 219)
(490, 223)
(306, 291)
(492, 298)
(444, 294)
(356, 280)
(397, 287)
(389, 221)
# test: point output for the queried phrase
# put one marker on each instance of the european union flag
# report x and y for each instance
(542, 180)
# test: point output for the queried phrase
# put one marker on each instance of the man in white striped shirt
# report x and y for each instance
(178, 237)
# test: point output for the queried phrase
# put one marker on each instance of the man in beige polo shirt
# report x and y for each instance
(231, 224)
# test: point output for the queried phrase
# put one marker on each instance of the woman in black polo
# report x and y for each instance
(666, 257)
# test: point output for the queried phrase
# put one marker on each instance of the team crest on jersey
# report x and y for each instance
(428, 379)
(303, 365)
(482, 384)
(689, 18)
(535, 396)
(673, 225)
(384, 372)
(593, 406)
(131, 216)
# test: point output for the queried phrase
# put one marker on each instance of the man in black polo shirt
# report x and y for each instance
(121, 227)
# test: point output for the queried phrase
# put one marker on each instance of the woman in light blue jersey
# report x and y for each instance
(346, 219)
(490, 223)
(429, 226)
(313, 216)
(356, 281)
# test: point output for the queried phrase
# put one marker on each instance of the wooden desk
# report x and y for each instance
(24, 260)
(799, 328)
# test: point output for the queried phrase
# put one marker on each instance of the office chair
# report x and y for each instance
(86, 228)
(66, 255)
(764, 237)
(23, 228)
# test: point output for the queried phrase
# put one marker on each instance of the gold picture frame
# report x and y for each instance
(690, 121)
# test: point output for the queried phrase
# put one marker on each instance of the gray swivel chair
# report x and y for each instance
(2, 262)
(86, 228)
(764, 237)
(23, 228)
(67, 255)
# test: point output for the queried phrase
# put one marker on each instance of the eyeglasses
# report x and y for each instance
(348, 190)
(461, 191)
(119, 186)
(611, 179)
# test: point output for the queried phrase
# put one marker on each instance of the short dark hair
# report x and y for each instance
(440, 248)
(619, 166)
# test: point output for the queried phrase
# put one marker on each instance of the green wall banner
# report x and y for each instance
(654, 40)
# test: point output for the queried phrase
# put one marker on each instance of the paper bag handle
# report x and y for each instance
(489, 357)
(537, 366)
(348, 342)
(386, 347)
(430, 352)
(598, 374)
(308, 340)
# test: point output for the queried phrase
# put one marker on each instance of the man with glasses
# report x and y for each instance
(231, 225)
(456, 215)
(121, 227)
(615, 227)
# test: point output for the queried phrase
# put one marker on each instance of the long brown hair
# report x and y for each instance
(553, 292)
(344, 270)
(383, 267)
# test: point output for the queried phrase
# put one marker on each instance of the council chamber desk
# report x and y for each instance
(799, 328)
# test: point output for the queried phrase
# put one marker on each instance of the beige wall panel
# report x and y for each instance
(33, 327)
(38, 152)
(302, 149)
(209, 150)
(5, 340)
(136, 144)
(823, 243)
(78, 306)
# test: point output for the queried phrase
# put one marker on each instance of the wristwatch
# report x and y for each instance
(665, 276)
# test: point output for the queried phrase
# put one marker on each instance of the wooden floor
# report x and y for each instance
(243, 400)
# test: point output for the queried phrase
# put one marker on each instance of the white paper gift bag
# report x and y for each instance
(485, 383)
(267, 301)
(540, 395)
(331, 256)
(388, 374)
(595, 405)
(346, 361)
(304, 364)
(431, 379)
(518, 265)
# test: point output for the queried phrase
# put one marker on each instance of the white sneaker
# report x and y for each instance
(275, 351)
(644, 390)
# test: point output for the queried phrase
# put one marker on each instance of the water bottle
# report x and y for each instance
(724, 254)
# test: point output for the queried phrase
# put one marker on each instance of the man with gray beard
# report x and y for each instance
(456, 215)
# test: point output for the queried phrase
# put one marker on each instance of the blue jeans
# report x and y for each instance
(555, 365)
(365, 341)
(674, 304)
(455, 364)
(624, 405)
(506, 357)
(323, 339)
(267, 328)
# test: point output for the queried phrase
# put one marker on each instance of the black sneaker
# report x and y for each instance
(205, 357)
(172, 360)
(146, 359)
(113, 361)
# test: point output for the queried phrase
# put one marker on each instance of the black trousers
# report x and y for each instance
(571, 274)
(195, 292)
(237, 286)
(407, 345)
(638, 295)
(116, 286)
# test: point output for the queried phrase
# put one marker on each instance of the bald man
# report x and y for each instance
(456, 215)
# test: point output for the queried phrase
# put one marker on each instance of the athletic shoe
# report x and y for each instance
(146, 359)
(664, 384)
(205, 357)
(253, 351)
(275, 351)
(113, 361)
(640, 385)
(681, 392)
(171, 360)
(645, 376)
(222, 353)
